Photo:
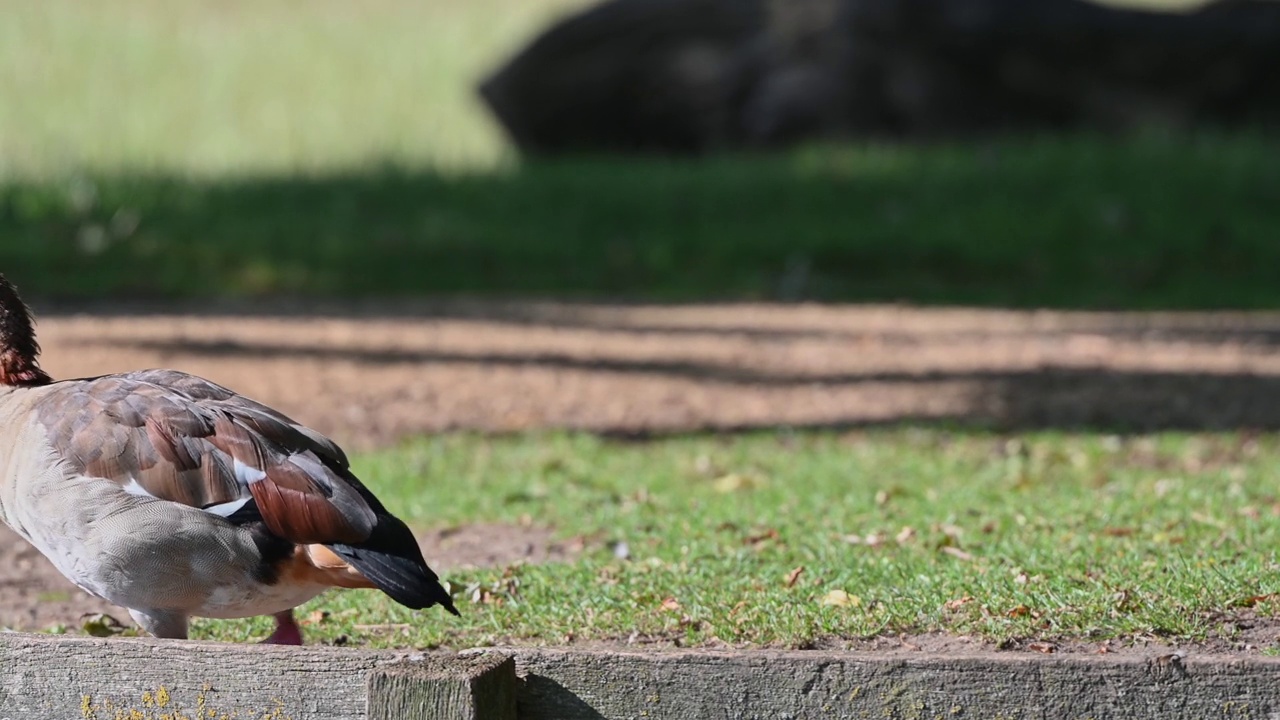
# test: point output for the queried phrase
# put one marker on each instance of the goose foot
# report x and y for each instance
(287, 630)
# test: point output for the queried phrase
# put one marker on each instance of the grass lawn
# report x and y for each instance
(210, 149)
(230, 148)
(1068, 222)
(216, 87)
(234, 87)
(1034, 536)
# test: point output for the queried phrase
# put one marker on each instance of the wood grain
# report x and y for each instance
(801, 685)
(474, 686)
(72, 678)
(52, 678)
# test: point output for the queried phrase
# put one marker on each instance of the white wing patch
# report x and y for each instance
(133, 488)
(227, 509)
(246, 475)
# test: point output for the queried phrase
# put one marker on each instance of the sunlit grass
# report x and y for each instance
(1035, 536)
(237, 87)
(233, 87)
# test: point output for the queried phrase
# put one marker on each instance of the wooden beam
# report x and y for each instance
(81, 678)
(76, 678)
(682, 685)
(479, 686)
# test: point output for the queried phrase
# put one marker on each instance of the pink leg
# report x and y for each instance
(287, 631)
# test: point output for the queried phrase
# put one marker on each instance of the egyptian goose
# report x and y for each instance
(174, 497)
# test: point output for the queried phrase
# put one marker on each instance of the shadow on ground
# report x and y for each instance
(1137, 223)
(640, 371)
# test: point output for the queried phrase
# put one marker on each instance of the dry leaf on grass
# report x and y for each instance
(1018, 611)
(101, 625)
(874, 539)
(794, 575)
(840, 598)
(736, 482)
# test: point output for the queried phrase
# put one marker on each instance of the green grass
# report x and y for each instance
(1033, 536)
(232, 149)
(235, 87)
(1071, 222)
(199, 149)
(216, 87)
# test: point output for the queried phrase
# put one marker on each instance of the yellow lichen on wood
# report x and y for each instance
(161, 705)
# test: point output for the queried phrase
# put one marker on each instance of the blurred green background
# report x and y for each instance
(190, 150)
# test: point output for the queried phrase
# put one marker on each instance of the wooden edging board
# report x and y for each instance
(79, 678)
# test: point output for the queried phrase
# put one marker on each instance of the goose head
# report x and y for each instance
(19, 351)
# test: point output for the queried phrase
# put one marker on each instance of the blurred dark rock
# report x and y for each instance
(630, 75)
(688, 76)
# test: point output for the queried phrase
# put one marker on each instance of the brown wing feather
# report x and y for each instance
(189, 441)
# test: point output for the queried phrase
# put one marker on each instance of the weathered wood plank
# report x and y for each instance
(74, 678)
(479, 686)
(575, 685)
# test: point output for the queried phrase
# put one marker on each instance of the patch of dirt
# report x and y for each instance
(492, 545)
(370, 376)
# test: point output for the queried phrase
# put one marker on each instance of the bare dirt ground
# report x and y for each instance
(369, 376)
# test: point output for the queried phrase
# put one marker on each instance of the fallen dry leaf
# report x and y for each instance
(1018, 611)
(1206, 519)
(794, 575)
(735, 482)
(760, 537)
(956, 553)
(101, 625)
(1255, 599)
(905, 535)
(1043, 647)
(671, 604)
(957, 603)
(840, 598)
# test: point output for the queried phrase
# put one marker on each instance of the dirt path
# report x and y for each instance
(368, 378)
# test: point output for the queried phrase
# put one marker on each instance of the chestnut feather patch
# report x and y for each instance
(189, 441)
(301, 516)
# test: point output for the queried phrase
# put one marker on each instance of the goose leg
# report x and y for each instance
(287, 630)
(161, 623)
